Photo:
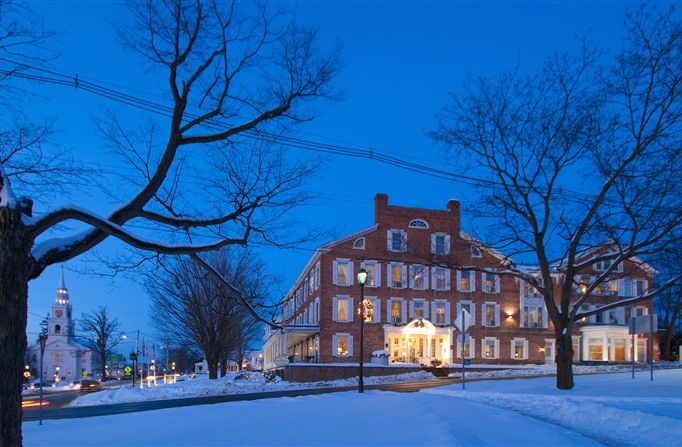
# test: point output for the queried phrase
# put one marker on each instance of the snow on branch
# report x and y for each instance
(44, 249)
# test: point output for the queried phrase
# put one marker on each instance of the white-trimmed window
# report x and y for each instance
(534, 314)
(490, 314)
(397, 275)
(374, 314)
(440, 244)
(639, 311)
(342, 345)
(640, 286)
(490, 348)
(359, 243)
(470, 307)
(519, 349)
(396, 311)
(342, 308)
(469, 347)
(418, 223)
(602, 266)
(397, 240)
(419, 277)
(419, 308)
(491, 282)
(475, 251)
(440, 312)
(373, 269)
(440, 278)
(343, 272)
(316, 311)
(466, 280)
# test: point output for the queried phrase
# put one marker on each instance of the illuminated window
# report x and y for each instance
(439, 317)
(466, 281)
(343, 272)
(397, 275)
(491, 314)
(440, 278)
(373, 269)
(491, 282)
(418, 309)
(519, 349)
(419, 277)
(490, 347)
(343, 309)
(395, 311)
(342, 345)
(466, 351)
(532, 316)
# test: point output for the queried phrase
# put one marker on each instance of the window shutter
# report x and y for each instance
(350, 345)
(433, 243)
(592, 318)
(447, 314)
(335, 345)
(376, 317)
(483, 319)
(472, 344)
(511, 351)
(403, 240)
(525, 349)
(426, 278)
(351, 277)
(447, 279)
(497, 315)
(335, 309)
(433, 311)
(459, 283)
(411, 270)
(411, 309)
(389, 245)
(426, 309)
(473, 314)
(403, 278)
(472, 276)
(389, 270)
(447, 244)
(389, 306)
(497, 348)
(335, 279)
(377, 274)
(545, 316)
(351, 309)
(403, 311)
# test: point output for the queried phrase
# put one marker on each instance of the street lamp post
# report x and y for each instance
(362, 279)
(43, 341)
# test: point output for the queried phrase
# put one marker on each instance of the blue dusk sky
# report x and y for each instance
(399, 62)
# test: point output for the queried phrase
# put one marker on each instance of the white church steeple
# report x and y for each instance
(61, 323)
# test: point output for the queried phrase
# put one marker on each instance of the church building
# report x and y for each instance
(65, 359)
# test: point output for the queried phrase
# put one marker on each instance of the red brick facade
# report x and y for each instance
(313, 313)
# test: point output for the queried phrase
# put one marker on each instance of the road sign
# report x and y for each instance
(645, 324)
(463, 320)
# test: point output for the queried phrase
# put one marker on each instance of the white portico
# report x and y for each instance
(420, 341)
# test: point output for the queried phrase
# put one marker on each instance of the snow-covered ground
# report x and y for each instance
(256, 383)
(605, 409)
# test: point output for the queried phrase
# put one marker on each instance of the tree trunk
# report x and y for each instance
(212, 366)
(564, 359)
(103, 359)
(15, 270)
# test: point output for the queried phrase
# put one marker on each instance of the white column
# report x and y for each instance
(407, 347)
(428, 347)
(605, 348)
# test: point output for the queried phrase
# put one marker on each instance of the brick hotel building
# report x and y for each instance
(416, 300)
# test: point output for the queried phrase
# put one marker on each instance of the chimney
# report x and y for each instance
(453, 209)
(380, 205)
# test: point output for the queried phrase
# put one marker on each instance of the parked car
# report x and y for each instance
(90, 385)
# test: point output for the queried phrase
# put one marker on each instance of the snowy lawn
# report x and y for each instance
(608, 409)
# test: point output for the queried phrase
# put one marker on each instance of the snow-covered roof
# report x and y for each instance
(482, 246)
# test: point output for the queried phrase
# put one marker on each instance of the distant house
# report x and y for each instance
(418, 284)
(64, 358)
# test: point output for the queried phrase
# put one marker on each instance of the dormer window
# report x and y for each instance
(418, 223)
(475, 252)
(359, 243)
(604, 265)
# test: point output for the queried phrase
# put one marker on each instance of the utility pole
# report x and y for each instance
(137, 342)
(167, 354)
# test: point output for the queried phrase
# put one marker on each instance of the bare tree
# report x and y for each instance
(669, 304)
(619, 127)
(101, 334)
(229, 74)
(190, 305)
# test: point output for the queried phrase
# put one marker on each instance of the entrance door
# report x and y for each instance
(549, 352)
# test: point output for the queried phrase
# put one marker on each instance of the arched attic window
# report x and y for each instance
(418, 223)
(359, 243)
